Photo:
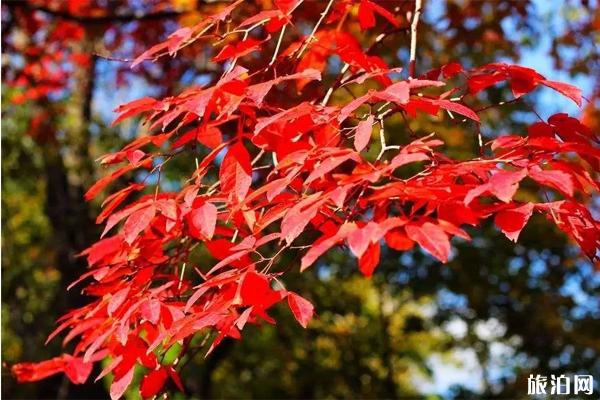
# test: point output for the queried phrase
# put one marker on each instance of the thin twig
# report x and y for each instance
(413, 39)
(181, 277)
(337, 82)
(381, 139)
(278, 45)
(384, 146)
(258, 157)
(312, 34)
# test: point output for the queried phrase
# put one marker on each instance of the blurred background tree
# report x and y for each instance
(475, 327)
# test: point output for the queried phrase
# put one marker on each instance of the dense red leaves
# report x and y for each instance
(279, 171)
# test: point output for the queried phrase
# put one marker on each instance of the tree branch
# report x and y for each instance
(413, 39)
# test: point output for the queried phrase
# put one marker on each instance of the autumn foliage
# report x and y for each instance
(273, 174)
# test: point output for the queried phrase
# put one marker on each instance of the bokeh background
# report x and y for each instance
(476, 327)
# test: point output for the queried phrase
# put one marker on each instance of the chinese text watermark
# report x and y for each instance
(560, 384)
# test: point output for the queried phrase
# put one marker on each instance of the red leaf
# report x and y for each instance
(118, 387)
(349, 108)
(328, 165)
(478, 83)
(523, 80)
(503, 184)
(167, 207)
(115, 218)
(407, 158)
(296, 219)
(366, 16)
(116, 300)
(369, 260)
(134, 107)
(150, 310)
(385, 14)
(397, 240)
(302, 309)
(325, 244)
(219, 248)
(137, 222)
(104, 248)
(209, 136)
(570, 91)
(457, 213)
(135, 156)
(260, 16)
(363, 133)
(106, 180)
(153, 382)
(239, 49)
(360, 239)
(559, 180)
(177, 38)
(175, 378)
(236, 172)
(432, 238)
(32, 372)
(451, 69)
(287, 6)
(512, 221)
(454, 107)
(113, 201)
(540, 129)
(255, 290)
(78, 371)
(398, 93)
(203, 221)
(258, 92)
(418, 104)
